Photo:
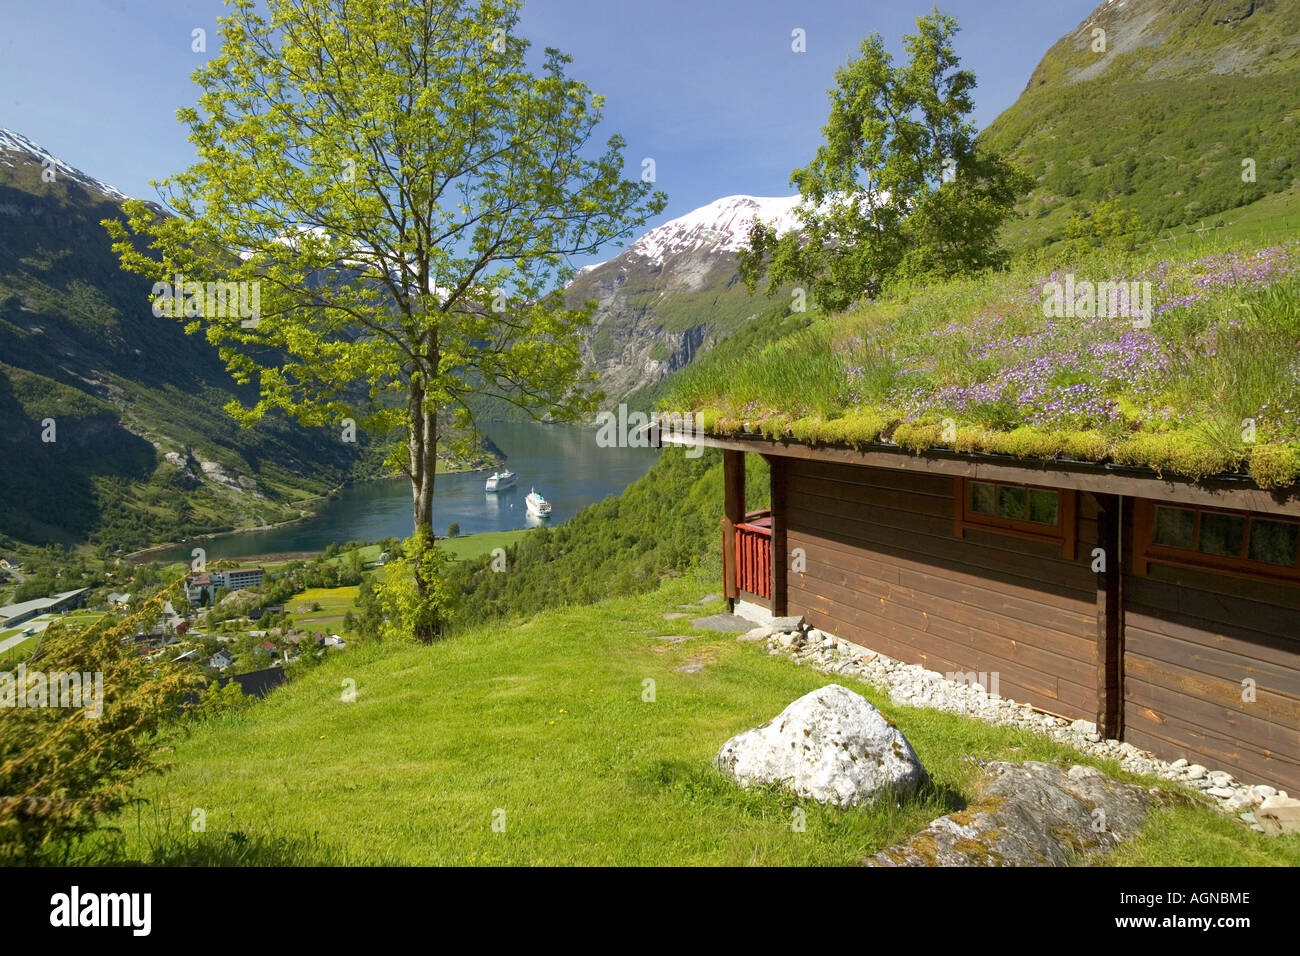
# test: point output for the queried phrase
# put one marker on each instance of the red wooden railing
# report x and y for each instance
(754, 554)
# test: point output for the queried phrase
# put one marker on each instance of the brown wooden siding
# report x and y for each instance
(884, 569)
(1191, 638)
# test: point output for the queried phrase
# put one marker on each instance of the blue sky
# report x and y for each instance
(709, 88)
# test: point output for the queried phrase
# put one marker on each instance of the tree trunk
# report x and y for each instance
(423, 447)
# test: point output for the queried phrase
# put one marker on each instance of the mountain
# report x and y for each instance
(20, 149)
(673, 292)
(111, 420)
(1159, 104)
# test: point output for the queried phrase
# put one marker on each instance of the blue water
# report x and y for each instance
(563, 462)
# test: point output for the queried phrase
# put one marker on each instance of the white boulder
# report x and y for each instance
(830, 745)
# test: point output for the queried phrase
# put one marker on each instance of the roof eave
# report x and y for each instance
(1239, 492)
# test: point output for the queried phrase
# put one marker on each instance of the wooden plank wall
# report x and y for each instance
(1191, 638)
(884, 569)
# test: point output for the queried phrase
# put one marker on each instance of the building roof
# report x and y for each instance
(1236, 492)
(258, 683)
(1194, 386)
(38, 604)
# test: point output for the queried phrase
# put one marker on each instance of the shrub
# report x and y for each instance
(63, 769)
(405, 612)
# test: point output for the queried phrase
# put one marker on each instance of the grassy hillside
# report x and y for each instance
(545, 729)
(1161, 116)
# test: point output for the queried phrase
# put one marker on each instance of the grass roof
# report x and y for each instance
(1204, 381)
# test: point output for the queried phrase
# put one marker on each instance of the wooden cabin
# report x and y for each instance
(1166, 610)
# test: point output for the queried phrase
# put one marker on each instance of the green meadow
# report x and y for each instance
(569, 738)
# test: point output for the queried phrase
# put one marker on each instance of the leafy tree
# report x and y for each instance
(355, 570)
(898, 187)
(371, 618)
(453, 529)
(1107, 225)
(405, 194)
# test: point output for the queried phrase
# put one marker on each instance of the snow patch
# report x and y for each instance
(721, 226)
(17, 142)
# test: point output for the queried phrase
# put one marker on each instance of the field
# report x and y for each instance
(463, 546)
(548, 730)
(476, 545)
(334, 603)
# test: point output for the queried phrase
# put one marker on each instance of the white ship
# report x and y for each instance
(501, 480)
(537, 505)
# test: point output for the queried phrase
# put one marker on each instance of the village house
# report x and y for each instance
(221, 659)
(1164, 609)
(206, 584)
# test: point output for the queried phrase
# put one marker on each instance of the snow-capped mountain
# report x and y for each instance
(12, 143)
(673, 291)
(722, 227)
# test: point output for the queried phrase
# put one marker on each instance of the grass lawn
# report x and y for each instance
(369, 553)
(463, 546)
(475, 545)
(79, 618)
(18, 653)
(543, 727)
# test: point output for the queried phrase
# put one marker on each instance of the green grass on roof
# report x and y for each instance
(1210, 385)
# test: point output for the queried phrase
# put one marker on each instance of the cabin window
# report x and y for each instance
(1020, 510)
(1235, 542)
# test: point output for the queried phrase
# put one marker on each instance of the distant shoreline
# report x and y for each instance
(144, 554)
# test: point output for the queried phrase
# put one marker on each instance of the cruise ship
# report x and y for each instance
(501, 480)
(537, 505)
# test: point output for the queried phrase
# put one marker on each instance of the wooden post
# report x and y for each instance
(1110, 627)
(780, 563)
(733, 513)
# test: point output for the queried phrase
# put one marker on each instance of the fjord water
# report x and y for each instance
(562, 462)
